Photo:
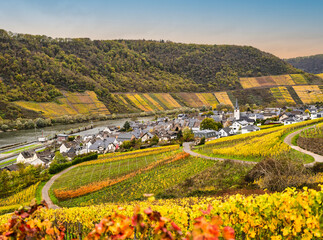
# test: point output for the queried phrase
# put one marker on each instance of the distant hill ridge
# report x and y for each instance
(311, 64)
(40, 69)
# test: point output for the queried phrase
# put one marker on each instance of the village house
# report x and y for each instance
(10, 168)
(33, 158)
(125, 137)
(146, 136)
(250, 128)
(103, 146)
(238, 125)
(26, 157)
(64, 147)
(317, 115)
(225, 132)
(61, 138)
(207, 134)
(291, 120)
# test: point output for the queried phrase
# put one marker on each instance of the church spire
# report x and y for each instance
(236, 113)
(237, 106)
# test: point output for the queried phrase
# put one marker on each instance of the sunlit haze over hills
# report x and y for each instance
(284, 28)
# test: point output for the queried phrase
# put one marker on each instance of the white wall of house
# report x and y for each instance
(236, 127)
(37, 161)
(21, 159)
(144, 138)
(247, 131)
(63, 148)
(223, 133)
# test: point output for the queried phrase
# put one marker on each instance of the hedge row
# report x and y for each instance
(56, 168)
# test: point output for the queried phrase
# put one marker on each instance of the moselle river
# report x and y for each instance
(7, 138)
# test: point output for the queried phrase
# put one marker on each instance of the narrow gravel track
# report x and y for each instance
(187, 149)
(45, 190)
(288, 140)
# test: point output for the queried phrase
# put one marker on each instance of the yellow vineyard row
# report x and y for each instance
(309, 93)
(253, 82)
(282, 215)
(70, 104)
(282, 95)
(267, 142)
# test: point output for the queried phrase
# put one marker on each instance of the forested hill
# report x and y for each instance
(311, 64)
(38, 67)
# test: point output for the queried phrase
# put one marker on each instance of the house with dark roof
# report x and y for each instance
(125, 137)
(206, 133)
(317, 115)
(225, 132)
(250, 128)
(26, 156)
(103, 146)
(62, 137)
(291, 120)
(13, 167)
(146, 136)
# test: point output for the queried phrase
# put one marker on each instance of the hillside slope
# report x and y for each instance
(35, 67)
(311, 64)
(39, 69)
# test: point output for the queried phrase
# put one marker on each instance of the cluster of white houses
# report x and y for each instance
(111, 138)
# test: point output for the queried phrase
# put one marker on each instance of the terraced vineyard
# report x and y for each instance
(210, 99)
(312, 139)
(309, 93)
(267, 81)
(281, 89)
(148, 102)
(13, 202)
(192, 99)
(70, 104)
(126, 179)
(223, 98)
(299, 78)
(282, 95)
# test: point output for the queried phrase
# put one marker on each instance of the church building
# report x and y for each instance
(236, 113)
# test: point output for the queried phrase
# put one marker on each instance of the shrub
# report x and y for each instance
(84, 158)
(318, 167)
(56, 167)
(202, 141)
(279, 173)
(188, 135)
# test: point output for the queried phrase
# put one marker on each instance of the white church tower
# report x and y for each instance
(236, 112)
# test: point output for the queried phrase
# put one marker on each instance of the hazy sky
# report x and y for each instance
(286, 28)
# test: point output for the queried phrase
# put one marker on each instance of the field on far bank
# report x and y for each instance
(71, 104)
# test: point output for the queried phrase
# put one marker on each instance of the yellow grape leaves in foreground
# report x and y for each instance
(287, 215)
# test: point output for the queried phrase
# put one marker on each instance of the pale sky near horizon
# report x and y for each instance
(285, 28)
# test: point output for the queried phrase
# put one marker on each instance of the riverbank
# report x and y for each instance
(25, 124)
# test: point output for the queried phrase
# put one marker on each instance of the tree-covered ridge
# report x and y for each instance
(311, 64)
(215, 67)
(35, 67)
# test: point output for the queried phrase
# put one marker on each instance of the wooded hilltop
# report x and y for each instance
(37, 68)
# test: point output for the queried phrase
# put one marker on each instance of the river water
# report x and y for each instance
(7, 138)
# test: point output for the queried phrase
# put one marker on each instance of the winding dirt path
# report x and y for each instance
(45, 190)
(187, 148)
(288, 140)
